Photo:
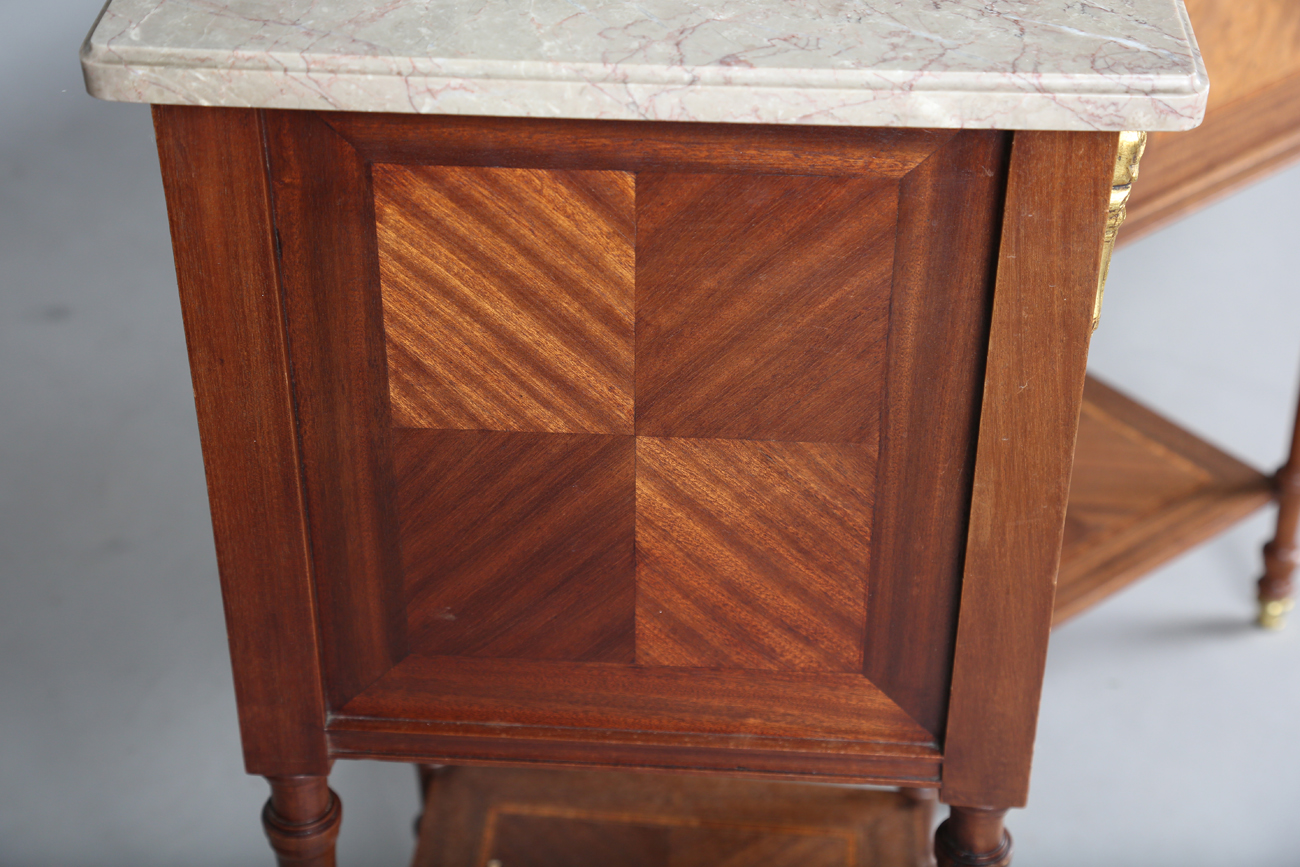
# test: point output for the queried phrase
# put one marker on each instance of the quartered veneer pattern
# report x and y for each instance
(747, 489)
(648, 486)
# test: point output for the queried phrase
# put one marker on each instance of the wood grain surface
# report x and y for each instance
(539, 837)
(762, 305)
(329, 268)
(219, 207)
(1246, 44)
(950, 209)
(1143, 491)
(633, 698)
(650, 539)
(813, 759)
(537, 818)
(1048, 265)
(507, 297)
(636, 146)
(518, 545)
(752, 554)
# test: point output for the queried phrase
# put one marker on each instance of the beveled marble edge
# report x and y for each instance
(118, 69)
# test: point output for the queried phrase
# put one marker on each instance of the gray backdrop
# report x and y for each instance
(1166, 728)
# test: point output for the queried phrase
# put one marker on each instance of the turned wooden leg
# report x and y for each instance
(302, 821)
(925, 801)
(425, 775)
(1280, 554)
(973, 837)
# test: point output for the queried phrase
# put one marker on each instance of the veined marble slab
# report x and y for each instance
(1007, 64)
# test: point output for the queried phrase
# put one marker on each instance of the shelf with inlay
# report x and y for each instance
(1143, 491)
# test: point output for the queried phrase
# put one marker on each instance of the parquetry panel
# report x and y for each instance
(507, 297)
(517, 545)
(752, 555)
(558, 838)
(762, 305)
(1120, 477)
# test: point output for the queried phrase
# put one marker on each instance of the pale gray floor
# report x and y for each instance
(1167, 725)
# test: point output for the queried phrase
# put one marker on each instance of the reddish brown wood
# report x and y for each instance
(635, 698)
(752, 555)
(1142, 491)
(950, 208)
(1246, 44)
(762, 306)
(636, 146)
(565, 818)
(1282, 553)
(836, 761)
(219, 206)
(518, 544)
(565, 713)
(338, 378)
(973, 837)
(507, 297)
(803, 452)
(1048, 265)
(301, 820)
(426, 776)
(329, 265)
(454, 492)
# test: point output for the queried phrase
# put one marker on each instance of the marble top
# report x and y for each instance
(1008, 64)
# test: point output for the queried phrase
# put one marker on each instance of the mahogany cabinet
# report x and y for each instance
(687, 447)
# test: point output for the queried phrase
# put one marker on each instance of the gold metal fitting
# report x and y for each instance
(1131, 146)
(1272, 614)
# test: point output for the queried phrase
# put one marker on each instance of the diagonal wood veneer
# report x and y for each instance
(726, 541)
(494, 323)
(752, 555)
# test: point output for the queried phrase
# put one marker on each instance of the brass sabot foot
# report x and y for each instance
(1272, 614)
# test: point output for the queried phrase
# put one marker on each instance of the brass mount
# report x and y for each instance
(1272, 614)
(1131, 145)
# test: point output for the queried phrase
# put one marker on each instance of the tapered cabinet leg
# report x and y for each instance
(973, 837)
(1280, 555)
(302, 821)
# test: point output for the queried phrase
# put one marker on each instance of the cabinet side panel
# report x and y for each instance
(325, 219)
(948, 218)
(1050, 256)
(218, 203)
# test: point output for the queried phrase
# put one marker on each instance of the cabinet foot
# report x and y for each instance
(1273, 612)
(301, 820)
(973, 837)
(1281, 554)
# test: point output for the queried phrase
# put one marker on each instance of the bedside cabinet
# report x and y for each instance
(647, 387)
(668, 446)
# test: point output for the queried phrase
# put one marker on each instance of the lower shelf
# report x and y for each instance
(550, 818)
(1143, 491)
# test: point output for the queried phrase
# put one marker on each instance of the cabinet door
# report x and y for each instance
(642, 444)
